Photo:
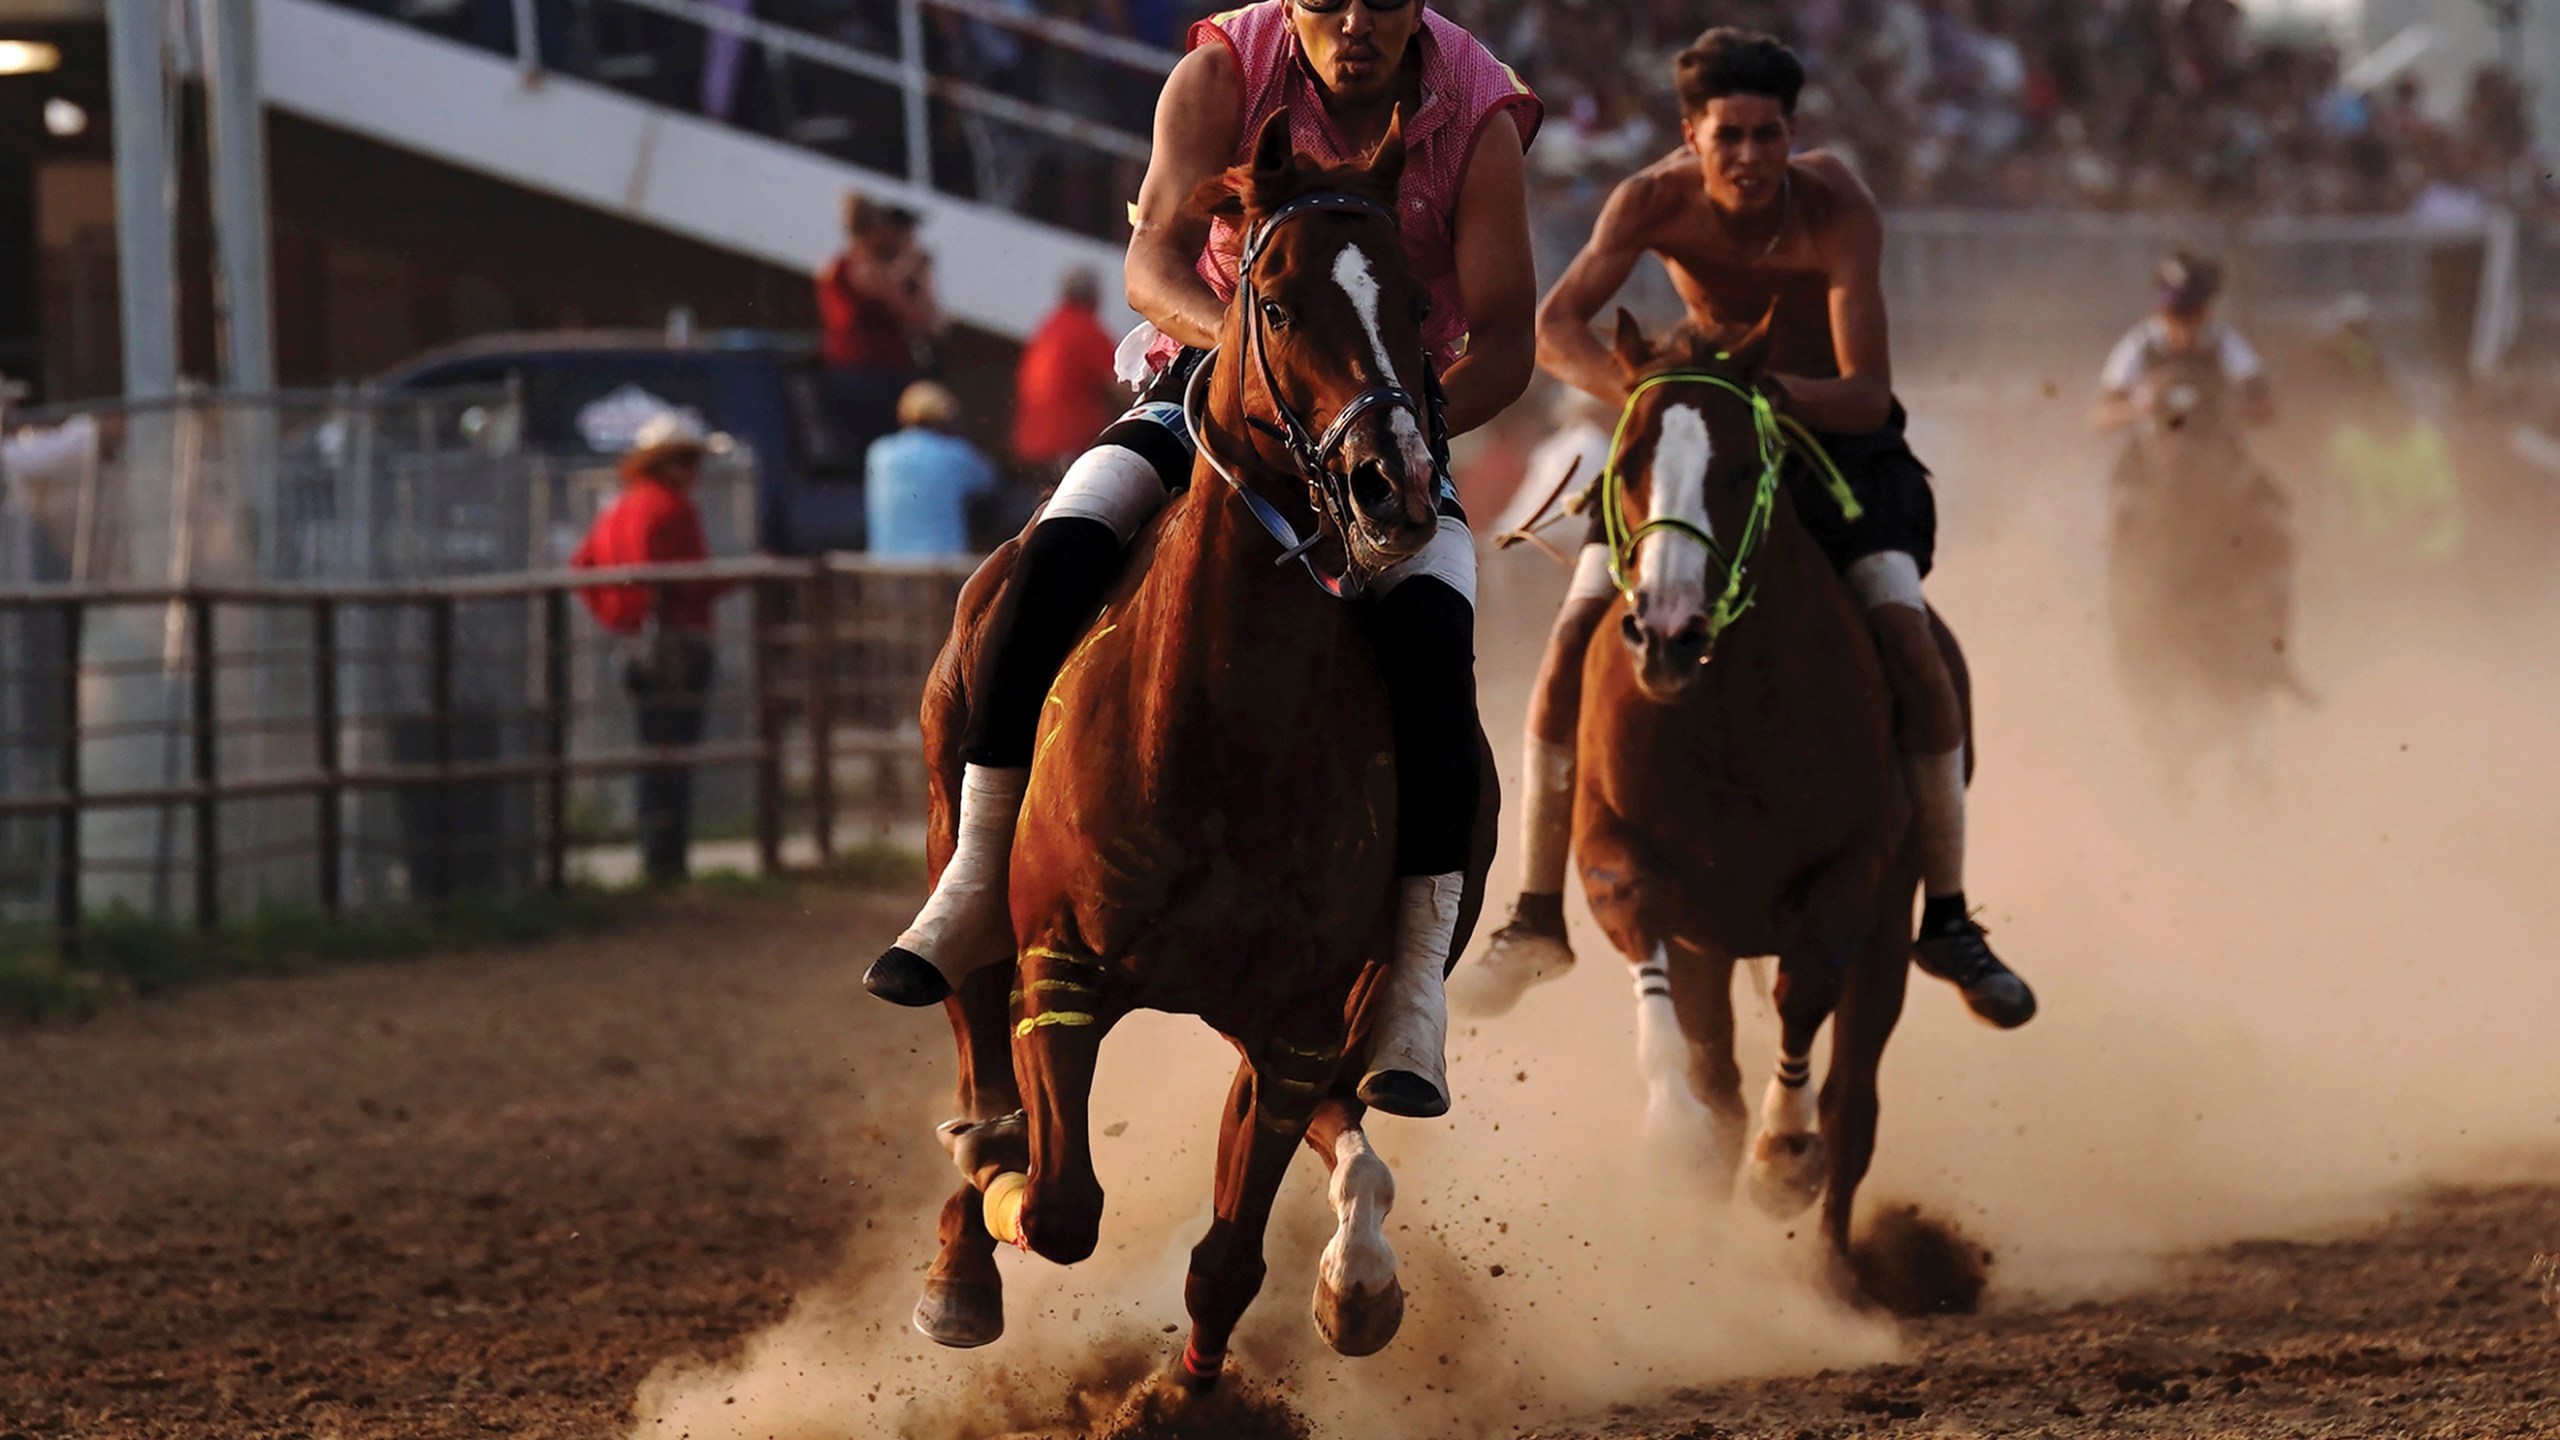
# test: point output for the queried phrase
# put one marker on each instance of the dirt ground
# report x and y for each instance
(489, 1194)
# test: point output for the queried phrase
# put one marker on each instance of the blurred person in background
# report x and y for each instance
(917, 483)
(663, 632)
(1065, 391)
(2182, 324)
(2392, 464)
(878, 314)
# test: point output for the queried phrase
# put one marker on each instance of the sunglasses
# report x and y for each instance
(1336, 7)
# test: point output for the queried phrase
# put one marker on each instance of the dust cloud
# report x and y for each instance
(2267, 1009)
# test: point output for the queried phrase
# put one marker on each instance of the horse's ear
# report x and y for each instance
(1385, 166)
(1750, 354)
(1275, 156)
(1633, 351)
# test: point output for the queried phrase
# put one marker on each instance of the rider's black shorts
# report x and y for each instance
(1899, 511)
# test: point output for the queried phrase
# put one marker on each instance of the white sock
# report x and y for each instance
(1937, 789)
(1546, 772)
(967, 922)
(1413, 1030)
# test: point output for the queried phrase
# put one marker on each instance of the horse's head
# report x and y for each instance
(1691, 490)
(1325, 341)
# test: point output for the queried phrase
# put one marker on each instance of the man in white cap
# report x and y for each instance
(665, 629)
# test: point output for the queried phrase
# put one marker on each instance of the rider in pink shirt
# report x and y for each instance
(1344, 70)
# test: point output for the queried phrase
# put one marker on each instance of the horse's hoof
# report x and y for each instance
(963, 1314)
(1402, 1092)
(1362, 1322)
(903, 977)
(1521, 954)
(1786, 1174)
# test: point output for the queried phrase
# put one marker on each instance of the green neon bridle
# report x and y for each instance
(1777, 435)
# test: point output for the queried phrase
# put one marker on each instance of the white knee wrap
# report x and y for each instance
(1889, 577)
(1450, 558)
(1112, 484)
(1591, 575)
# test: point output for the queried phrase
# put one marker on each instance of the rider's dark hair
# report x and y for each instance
(1730, 61)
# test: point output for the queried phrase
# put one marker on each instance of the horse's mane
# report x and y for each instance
(1691, 346)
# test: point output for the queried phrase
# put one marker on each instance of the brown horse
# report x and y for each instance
(1210, 823)
(1742, 794)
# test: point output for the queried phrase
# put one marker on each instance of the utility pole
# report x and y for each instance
(237, 122)
(146, 196)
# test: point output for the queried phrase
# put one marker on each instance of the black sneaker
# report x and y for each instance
(1958, 954)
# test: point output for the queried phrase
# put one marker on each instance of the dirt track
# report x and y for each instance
(489, 1194)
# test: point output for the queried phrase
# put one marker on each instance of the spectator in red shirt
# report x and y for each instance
(1065, 391)
(877, 316)
(664, 630)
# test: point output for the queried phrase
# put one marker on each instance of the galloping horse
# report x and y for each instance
(1741, 793)
(2200, 561)
(1210, 824)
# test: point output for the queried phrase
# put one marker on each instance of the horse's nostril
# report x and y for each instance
(1631, 629)
(1372, 488)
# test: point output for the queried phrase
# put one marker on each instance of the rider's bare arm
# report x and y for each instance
(1568, 348)
(2115, 411)
(1196, 120)
(1497, 280)
(1860, 398)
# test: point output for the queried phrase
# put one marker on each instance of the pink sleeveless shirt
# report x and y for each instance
(1464, 90)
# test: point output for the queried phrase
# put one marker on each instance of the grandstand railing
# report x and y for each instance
(889, 85)
(296, 792)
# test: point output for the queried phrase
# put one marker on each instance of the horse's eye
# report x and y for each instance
(1275, 315)
(1421, 308)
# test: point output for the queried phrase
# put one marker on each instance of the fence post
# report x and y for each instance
(324, 736)
(768, 718)
(818, 677)
(208, 856)
(555, 737)
(66, 841)
(440, 746)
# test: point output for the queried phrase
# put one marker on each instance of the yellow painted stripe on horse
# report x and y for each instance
(1043, 952)
(1048, 1018)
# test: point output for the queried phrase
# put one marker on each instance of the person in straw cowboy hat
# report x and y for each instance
(665, 630)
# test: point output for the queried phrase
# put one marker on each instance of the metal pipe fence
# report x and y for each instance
(471, 777)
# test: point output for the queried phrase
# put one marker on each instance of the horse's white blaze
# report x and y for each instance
(1358, 1260)
(1410, 446)
(1671, 566)
(1787, 1109)
(1672, 1112)
(1352, 272)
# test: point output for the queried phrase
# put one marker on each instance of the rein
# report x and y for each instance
(1778, 435)
(1313, 454)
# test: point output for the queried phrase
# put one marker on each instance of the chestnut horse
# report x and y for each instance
(1741, 793)
(1210, 823)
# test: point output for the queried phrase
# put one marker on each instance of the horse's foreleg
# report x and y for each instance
(1702, 996)
(1870, 1005)
(963, 1301)
(1359, 1302)
(1267, 1114)
(1062, 1008)
(1787, 1160)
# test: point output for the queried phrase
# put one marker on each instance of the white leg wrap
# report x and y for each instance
(1937, 792)
(1450, 557)
(1787, 1108)
(1412, 1033)
(1358, 1260)
(967, 923)
(1887, 578)
(1591, 575)
(1112, 484)
(1546, 771)
(1673, 1114)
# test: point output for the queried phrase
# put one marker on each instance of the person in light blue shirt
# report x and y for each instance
(919, 481)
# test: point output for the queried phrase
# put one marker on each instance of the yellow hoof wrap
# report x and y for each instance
(1004, 1197)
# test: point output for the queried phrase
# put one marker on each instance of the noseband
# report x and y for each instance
(1313, 454)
